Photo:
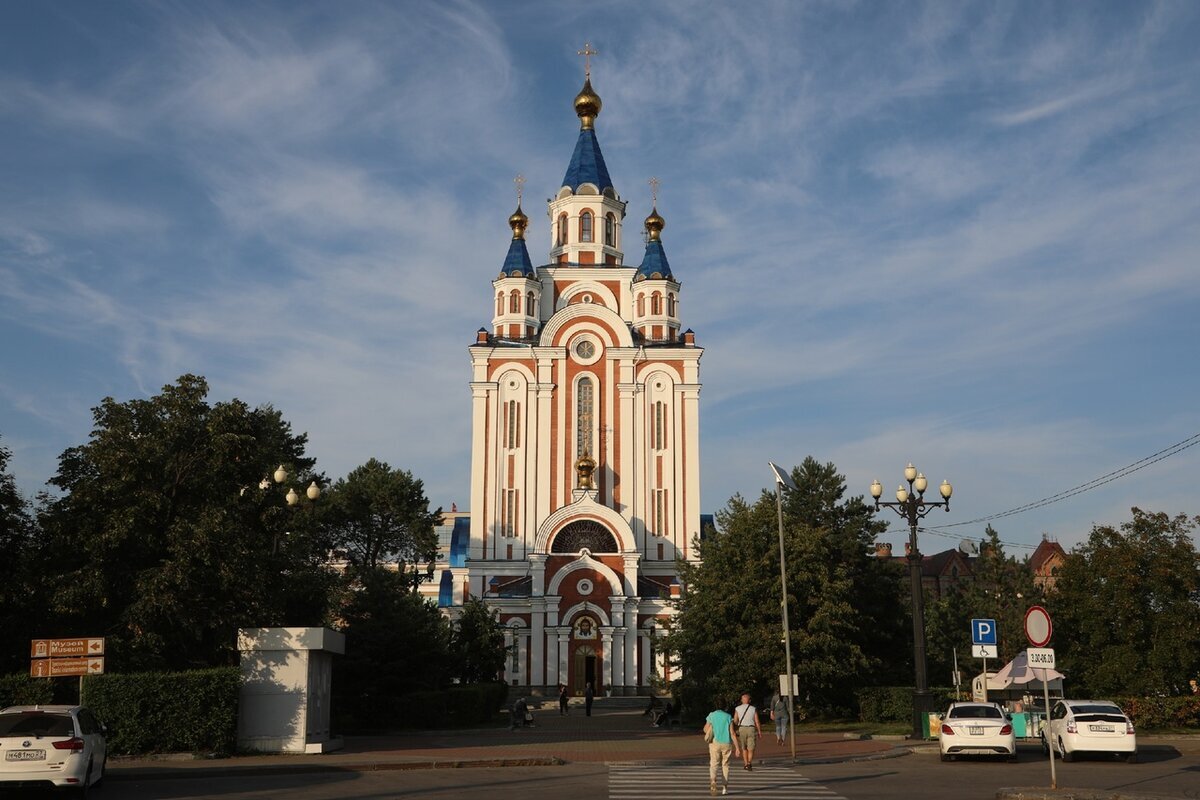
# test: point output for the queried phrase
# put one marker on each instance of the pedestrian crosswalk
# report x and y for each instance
(635, 782)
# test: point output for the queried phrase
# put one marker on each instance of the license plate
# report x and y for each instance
(25, 755)
(1101, 728)
(975, 730)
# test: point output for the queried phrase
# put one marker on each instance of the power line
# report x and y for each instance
(1117, 474)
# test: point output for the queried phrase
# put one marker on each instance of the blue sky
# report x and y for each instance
(962, 234)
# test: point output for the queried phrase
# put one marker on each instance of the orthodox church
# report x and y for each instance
(585, 469)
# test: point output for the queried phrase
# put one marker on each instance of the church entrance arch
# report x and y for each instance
(585, 655)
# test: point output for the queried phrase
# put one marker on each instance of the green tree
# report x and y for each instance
(843, 613)
(378, 516)
(17, 606)
(1002, 588)
(163, 540)
(397, 643)
(1125, 608)
(477, 643)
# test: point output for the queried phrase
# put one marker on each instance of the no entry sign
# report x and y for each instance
(1038, 628)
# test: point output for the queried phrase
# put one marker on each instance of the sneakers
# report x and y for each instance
(725, 789)
(712, 789)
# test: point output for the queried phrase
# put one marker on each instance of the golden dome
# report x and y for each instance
(655, 224)
(518, 222)
(587, 105)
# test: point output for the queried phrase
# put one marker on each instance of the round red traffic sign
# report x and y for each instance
(1038, 628)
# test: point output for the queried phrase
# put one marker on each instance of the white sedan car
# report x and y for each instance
(1090, 726)
(51, 746)
(979, 729)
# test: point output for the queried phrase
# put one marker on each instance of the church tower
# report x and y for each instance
(585, 478)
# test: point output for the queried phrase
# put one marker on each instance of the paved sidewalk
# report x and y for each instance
(619, 735)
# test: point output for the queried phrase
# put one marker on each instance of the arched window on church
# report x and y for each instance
(514, 302)
(529, 305)
(513, 424)
(641, 305)
(562, 230)
(585, 226)
(658, 436)
(610, 230)
(585, 405)
(671, 304)
(499, 303)
(656, 303)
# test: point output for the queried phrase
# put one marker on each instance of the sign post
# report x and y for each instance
(1039, 629)
(983, 645)
(61, 658)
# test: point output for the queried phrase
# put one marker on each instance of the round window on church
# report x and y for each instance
(585, 349)
(585, 587)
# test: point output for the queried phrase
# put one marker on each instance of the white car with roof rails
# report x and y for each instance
(51, 746)
(976, 729)
(1090, 726)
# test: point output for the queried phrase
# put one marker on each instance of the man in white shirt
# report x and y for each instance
(745, 717)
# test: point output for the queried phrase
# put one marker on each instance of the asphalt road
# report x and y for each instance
(1161, 771)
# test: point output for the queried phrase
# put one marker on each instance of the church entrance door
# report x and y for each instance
(585, 669)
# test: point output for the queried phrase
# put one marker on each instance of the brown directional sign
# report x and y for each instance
(65, 667)
(62, 648)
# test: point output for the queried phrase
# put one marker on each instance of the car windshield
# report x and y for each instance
(36, 723)
(975, 712)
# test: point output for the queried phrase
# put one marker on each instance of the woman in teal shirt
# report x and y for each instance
(724, 742)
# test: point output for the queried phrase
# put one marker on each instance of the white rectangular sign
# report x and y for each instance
(985, 650)
(1040, 657)
(783, 687)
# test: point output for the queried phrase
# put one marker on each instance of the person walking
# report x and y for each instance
(779, 713)
(563, 699)
(722, 740)
(745, 717)
(589, 695)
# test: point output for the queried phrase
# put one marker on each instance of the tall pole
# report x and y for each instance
(913, 506)
(787, 631)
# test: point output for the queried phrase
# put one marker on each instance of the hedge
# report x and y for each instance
(893, 703)
(1162, 712)
(19, 689)
(149, 712)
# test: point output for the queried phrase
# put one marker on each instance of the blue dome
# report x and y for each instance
(587, 164)
(654, 263)
(518, 261)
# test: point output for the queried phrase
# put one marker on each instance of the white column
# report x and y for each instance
(631, 621)
(537, 566)
(564, 637)
(537, 616)
(618, 660)
(552, 642)
(645, 657)
(606, 641)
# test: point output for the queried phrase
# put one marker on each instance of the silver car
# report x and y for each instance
(51, 746)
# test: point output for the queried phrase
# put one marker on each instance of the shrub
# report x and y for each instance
(893, 703)
(19, 689)
(1162, 712)
(150, 712)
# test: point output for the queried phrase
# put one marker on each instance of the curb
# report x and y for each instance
(1035, 793)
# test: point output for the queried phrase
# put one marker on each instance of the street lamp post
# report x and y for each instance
(913, 507)
(280, 475)
(782, 479)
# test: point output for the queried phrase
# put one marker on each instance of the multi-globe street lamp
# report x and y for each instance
(292, 497)
(913, 507)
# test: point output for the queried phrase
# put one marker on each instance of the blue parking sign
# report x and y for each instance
(983, 631)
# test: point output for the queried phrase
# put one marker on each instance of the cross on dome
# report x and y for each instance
(587, 52)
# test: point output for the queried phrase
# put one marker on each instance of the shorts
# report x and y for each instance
(747, 735)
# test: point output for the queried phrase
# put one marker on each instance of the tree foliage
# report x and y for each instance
(477, 643)
(377, 515)
(1001, 587)
(843, 611)
(17, 604)
(163, 540)
(1126, 605)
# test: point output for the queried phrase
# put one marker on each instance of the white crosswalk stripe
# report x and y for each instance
(633, 782)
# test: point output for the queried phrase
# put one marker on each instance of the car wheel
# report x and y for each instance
(103, 771)
(1012, 757)
(85, 787)
(947, 757)
(1045, 747)
(1132, 758)
(1067, 756)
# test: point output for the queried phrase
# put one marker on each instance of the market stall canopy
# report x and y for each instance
(1018, 672)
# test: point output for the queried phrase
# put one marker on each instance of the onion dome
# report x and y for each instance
(654, 264)
(517, 263)
(587, 105)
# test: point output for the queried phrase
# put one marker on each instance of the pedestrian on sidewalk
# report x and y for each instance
(748, 730)
(588, 696)
(779, 713)
(563, 700)
(722, 740)
(518, 715)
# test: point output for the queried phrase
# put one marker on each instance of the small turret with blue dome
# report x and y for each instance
(654, 264)
(517, 263)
